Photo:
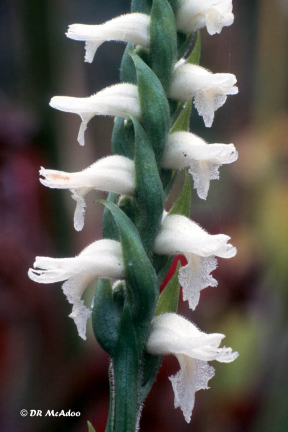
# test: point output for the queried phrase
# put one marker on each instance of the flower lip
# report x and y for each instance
(102, 258)
(180, 235)
(111, 174)
(209, 90)
(186, 150)
(193, 15)
(172, 334)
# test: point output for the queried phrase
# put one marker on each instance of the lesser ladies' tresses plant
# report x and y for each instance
(151, 143)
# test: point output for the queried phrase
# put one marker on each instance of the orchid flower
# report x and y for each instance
(118, 100)
(193, 15)
(132, 28)
(102, 258)
(180, 235)
(110, 174)
(172, 334)
(208, 90)
(186, 150)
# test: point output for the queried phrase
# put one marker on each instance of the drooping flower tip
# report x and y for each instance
(132, 28)
(186, 150)
(111, 174)
(118, 100)
(180, 235)
(172, 334)
(193, 15)
(208, 90)
(102, 258)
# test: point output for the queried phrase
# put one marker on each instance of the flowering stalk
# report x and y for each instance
(150, 144)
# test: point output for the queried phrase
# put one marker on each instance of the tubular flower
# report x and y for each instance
(193, 15)
(209, 90)
(172, 334)
(102, 258)
(185, 149)
(180, 235)
(117, 100)
(132, 28)
(110, 174)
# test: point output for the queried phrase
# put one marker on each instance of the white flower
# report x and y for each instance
(180, 235)
(185, 149)
(132, 28)
(110, 174)
(117, 100)
(172, 334)
(102, 258)
(193, 15)
(209, 90)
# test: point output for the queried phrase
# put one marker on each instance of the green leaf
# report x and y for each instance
(162, 264)
(127, 67)
(154, 107)
(143, 6)
(149, 191)
(183, 44)
(183, 203)
(126, 371)
(168, 178)
(140, 275)
(129, 206)
(194, 57)
(182, 117)
(163, 37)
(122, 142)
(174, 4)
(168, 300)
(109, 226)
(90, 427)
(150, 367)
(106, 316)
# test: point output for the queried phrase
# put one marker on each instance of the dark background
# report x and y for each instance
(44, 364)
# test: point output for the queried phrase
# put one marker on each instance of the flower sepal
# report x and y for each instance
(106, 316)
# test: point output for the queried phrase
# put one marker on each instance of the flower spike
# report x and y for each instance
(208, 90)
(193, 15)
(186, 150)
(102, 258)
(180, 235)
(118, 100)
(172, 334)
(132, 28)
(111, 174)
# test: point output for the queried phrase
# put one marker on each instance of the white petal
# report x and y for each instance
(192, 15)
(186, 150)
(172, 334)
(195, 276)
(80, 314)
(79, 214)
(102, 258)
(111, 174)
(73, 288)
(193, 376)
(132, 28)
(209, 90)
(179, 234)
(118, 100)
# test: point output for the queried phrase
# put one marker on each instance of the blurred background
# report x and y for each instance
(44, 364)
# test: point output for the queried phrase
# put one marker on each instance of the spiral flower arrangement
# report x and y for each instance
(151, 143)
